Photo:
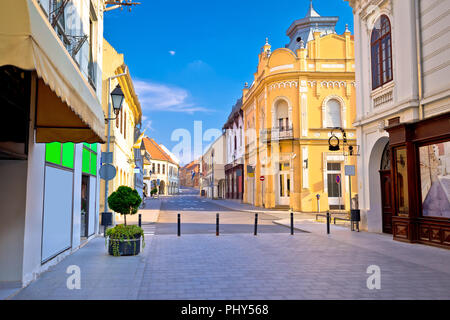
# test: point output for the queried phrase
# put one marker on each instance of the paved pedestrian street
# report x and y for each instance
(239, 265)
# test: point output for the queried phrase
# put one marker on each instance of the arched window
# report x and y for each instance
(333, 114)
(381, 49)
(282, 109)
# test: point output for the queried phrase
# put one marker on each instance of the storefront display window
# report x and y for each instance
(435, 179)
(402, 181)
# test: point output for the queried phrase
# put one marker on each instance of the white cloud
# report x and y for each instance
(147, 124)
(172, 53)
(160, 97)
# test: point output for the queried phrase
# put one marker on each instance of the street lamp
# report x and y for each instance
(117, 99)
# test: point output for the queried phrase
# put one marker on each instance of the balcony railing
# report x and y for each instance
(277, 134)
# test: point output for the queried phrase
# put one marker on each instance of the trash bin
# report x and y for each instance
(355, 217)
(106, 219)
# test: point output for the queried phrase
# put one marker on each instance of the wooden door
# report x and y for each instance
(387, 201)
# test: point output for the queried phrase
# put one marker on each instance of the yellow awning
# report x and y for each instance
(67, 108)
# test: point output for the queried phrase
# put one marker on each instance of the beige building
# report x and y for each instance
(123, 127)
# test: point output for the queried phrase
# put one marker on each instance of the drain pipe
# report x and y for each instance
(419, 58)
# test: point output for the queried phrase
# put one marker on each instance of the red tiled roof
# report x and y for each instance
(155, 151)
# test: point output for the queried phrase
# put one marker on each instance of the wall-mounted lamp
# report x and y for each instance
(333, 143)
(117, 97)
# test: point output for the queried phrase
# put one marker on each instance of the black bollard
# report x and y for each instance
(217, 225)
(328, 222)
(292, 223)
(179, 225)
(256, 224)
(140, 220)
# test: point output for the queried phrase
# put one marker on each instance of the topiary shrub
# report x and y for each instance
(125, 201)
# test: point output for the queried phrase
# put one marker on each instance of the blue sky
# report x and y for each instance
(190, 59)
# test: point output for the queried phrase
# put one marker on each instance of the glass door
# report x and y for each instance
(84, 207)
(284, 184)
(335, 181)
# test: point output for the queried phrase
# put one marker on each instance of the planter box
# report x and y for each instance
(126, 247)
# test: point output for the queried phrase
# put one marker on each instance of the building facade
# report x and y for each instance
(189, 175)
(234, 167)
(123, 127)
(160, 170)
(403, 105)
(50, 70)
(213, 170)
(299, 94)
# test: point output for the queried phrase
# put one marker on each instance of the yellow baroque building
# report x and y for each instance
(299, 93)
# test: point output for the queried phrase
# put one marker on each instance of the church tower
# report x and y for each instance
(303, 29)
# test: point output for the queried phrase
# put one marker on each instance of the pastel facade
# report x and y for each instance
(122, 129)
(403, 110)
(298, 94)
(213, 170)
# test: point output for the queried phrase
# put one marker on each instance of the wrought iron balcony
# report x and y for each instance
(276, 134)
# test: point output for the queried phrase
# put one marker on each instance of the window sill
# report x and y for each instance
(382, 89)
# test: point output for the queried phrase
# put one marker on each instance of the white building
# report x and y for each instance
(161, 171)
(213, 169)
(403, 86)
(50, 69)
(234, 165)
(173, 173)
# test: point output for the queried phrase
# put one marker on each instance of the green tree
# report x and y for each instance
(125, 201)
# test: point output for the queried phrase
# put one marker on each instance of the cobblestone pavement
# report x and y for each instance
(238, 265)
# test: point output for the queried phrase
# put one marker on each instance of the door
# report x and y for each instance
(386, 200)
(284, 184)
(84, 225)
(334, 183)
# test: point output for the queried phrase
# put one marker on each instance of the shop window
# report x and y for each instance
(61, 154)
(89, 164)
(401, 165)
(435, 179)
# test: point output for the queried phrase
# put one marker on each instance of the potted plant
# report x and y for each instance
(125, 240)
(154, 192)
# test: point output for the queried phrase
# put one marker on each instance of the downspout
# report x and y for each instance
(419, 59)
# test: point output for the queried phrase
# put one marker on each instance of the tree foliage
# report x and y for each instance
(125, 201)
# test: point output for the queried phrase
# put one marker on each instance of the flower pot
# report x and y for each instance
(125, 247)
